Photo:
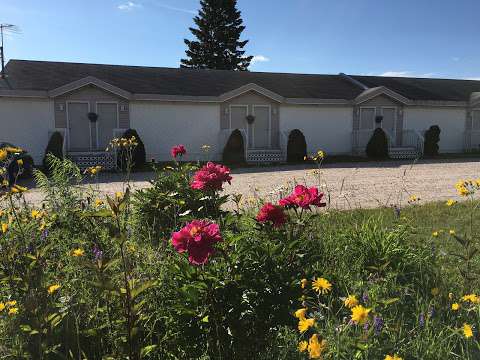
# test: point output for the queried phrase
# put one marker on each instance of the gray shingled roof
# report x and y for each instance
(46, 75)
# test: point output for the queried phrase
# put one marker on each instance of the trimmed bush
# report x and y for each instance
(432, 138)
(234, 151)
(139, 154)
(54, 147)
(296, 146)
(377, 147)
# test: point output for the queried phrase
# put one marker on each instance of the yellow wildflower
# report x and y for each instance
(16, 189)
(393, 357)
(4, 227)
(321, 285)
(450, 202)
(36, 214)
(435, 291)
(2, 307)
(435, 234)
(300, 313)
(119, 195)
(360, 314)
(452, 232)
(455, 306)
(13, 311)
(467, 331)
(473, 298)
(316, 347)
(11, 303)
(351, 301)
(305, 324)
(52, 288)
(12, 149)
(413, 199)
(3, 154)
(302, 346)
(98, 202)
(78, 252)
(303, 283)
(450, 296)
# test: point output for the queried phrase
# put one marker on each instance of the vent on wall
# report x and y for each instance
(123, 107)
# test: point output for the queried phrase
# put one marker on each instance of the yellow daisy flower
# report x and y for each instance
(53, 288)
(13, 311)
(450, 202)
(452, 232)
(2, 307)
(455, 306)
(360, 314)
(300, 313)
(302, 346)
(316, 347)
(393, 357)
(435, 234)
(3, 154)
(351, 301)
(321, 285)
(78, 252)
(11, 303)
(305, 324)
(467, 331)
(473, 298)
(4, 227)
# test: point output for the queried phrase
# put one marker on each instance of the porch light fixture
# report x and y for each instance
(250, 119)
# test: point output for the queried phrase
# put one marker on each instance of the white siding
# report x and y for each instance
(162, 126)
(325, 128)
(26, 123)
(451, 122)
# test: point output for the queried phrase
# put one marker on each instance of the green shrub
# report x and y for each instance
(377, 147)
(54, 147)
(432, 138)
(296, 147)
(138, 155)
(234, 151)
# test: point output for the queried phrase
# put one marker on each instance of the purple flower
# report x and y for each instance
(431, 312)
(366, 326)
(378, 324)
(365, 297)
(421, 320)
(97, 253)
(44, 235)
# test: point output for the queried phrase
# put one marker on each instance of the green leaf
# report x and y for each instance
(141, 288)
(147, 350)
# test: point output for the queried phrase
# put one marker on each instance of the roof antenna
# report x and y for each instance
(5, 28)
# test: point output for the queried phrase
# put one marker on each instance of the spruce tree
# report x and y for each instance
(218, 45)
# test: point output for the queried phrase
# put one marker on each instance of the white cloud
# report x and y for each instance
(456, 58)
(260, 58)
(128, 6)
(174, 8)
(472, 78)
(405, 74)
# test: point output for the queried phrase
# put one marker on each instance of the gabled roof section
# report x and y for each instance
(251, 87)
(380, 90)
(89, 80)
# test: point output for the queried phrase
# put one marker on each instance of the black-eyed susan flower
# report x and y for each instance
(467, 331)
(2, 306)
(455, 306)
(316, 347)
(472, 298)
(3, 154)
(13, 311)
(321, 285)
(53, 288)
(4, 227)
(435, 234)
(305, 324)
(351, 301)
(360, 314)
(98, 202)
(452, 232)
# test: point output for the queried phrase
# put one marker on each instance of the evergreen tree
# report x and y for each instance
(218, 45)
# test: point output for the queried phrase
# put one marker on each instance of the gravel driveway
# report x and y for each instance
(347, 185)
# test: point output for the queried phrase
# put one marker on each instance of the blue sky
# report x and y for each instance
(393, 37)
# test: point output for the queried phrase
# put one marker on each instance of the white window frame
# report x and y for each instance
(68, 102)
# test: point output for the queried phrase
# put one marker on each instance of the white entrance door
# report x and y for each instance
(261, 127)
(388, 122)
(106, 122)
(79, 126)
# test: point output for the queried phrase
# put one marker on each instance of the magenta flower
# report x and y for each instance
(272, 213)
(178, 150)
(197, 239)
(303, 197)
(211, 177)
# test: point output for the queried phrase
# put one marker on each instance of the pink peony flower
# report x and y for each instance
(197, 238)
(303, 197)
(273, 213)
(178, 150)
(211, 177)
